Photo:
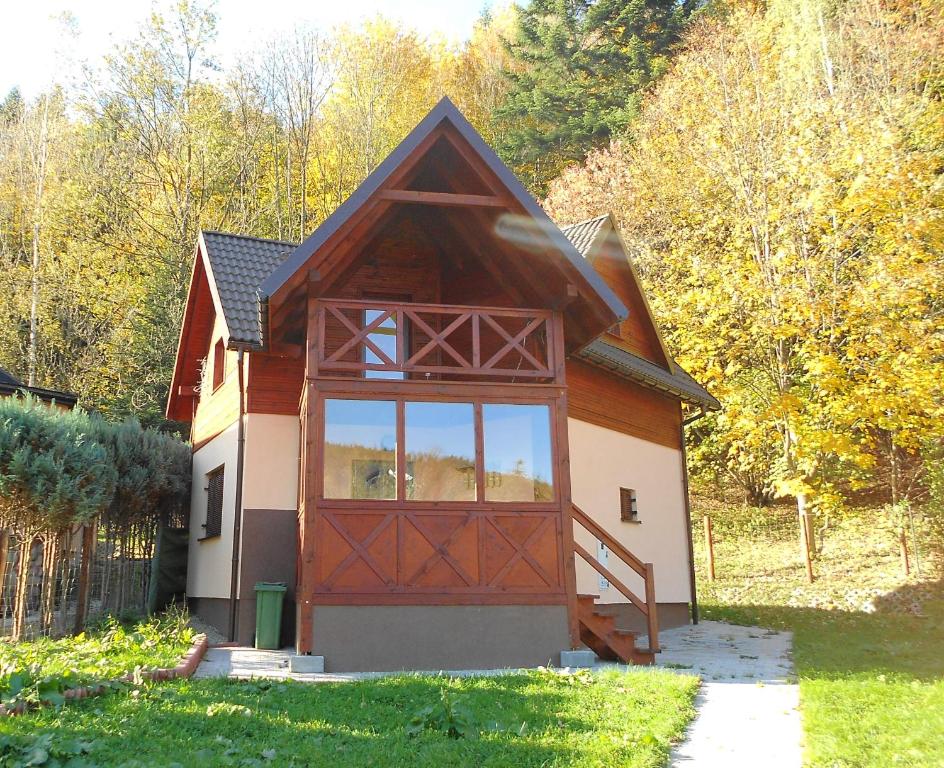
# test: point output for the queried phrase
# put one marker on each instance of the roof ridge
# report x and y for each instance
(249, 237)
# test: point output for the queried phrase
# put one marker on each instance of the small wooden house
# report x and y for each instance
(11, 386)
(451, 427)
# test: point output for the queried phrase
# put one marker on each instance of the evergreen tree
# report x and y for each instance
(579, 68)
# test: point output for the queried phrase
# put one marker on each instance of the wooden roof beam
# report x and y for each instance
(441, 198)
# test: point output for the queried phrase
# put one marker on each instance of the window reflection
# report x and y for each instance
(440, 451)
(360, 459)
(517, 453)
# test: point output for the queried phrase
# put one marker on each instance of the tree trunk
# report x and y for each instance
(4, 547)
(65, 567)
(21, 600)
(48, 598)
(85, 570)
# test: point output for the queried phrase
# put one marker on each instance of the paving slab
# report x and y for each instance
(241, 663)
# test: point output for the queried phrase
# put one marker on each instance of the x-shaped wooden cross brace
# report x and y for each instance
(441, 551)
(359, 550)
(521, 552)
(360, 335)
(514, 342)
(438, 339)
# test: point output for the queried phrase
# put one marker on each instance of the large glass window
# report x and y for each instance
(517, 453)
(360, 457)
(440, 451)
(384, 337)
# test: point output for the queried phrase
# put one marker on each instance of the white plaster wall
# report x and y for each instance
(603, 461)
(209, 561)
(270, 473)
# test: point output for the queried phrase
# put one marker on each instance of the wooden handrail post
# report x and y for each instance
(652, 617)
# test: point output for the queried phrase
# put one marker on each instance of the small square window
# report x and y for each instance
(214, 511)
(629, 511)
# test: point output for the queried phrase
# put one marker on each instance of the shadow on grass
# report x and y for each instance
(840, 644)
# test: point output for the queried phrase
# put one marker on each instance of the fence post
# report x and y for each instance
(81, 608)
(903, 548)
(711, 548)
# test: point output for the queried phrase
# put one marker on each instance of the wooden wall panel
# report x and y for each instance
(608, 401)
(217, 408)
(274, 384)
(390, 552)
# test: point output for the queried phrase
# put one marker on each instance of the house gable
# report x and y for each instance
(633, 349)
(598, 240)
(473, 212)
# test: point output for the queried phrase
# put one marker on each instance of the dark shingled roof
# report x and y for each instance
(10, 385)
(584, 233)
(8, 379)
(239, 265)
(624, 363)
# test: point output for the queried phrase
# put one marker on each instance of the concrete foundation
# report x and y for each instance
(306, 665)
(580, 659)
(356, 638)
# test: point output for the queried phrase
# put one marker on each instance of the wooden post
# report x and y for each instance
(556, 352)
(652, 617)
(710, 544)
(85, 567)
(903, 546)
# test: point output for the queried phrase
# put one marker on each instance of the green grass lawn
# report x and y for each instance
(45, 667)
(536, 719)
(871, 684)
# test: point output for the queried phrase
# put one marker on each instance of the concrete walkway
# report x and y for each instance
(748, 706)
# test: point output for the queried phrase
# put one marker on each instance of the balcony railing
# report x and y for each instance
(380, 339)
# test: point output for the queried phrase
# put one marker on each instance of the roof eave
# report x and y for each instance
(702, 398)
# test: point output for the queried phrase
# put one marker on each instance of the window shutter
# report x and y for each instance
(214, 514)
(629, 512)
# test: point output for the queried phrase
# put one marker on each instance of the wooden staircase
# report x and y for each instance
(598, 631)
(597, 628)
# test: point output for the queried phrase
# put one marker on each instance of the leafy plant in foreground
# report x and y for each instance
(44, 750)
(449, 716)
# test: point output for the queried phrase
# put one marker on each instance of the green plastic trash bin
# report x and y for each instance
(269, 599)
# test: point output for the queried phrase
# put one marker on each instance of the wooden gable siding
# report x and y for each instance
(218, 408)
(599, 398)
(196, 335)
(637, 333)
